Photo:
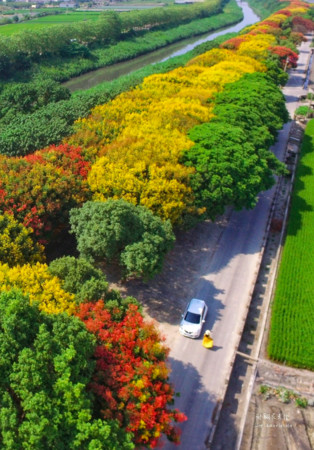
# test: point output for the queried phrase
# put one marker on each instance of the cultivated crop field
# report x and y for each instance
(292, 324)
(43, 22)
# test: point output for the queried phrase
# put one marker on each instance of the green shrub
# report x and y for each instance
(303, 111)
(80, 277)
(301, 402)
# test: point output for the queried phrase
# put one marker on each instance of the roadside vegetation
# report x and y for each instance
(83, 369)
(291, 332)
(283, 395)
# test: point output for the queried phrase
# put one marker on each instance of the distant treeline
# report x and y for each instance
(81, 60)
(19, 51)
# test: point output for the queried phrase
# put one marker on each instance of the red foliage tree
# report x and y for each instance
(233, 43)
(286, 55)
(269, 23)
(131, 375)
(302, 25)
(40, 189)
(266, 30)
(286, 12)
(296, 4)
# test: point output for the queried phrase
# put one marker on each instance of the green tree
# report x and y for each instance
(250, 93)
(80, 277)
(46, 364)
(116, 230)
(231, 156)
(274, 71)
(229, 170)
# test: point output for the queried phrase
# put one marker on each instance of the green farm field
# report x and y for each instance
(292, 324)
(44, 22)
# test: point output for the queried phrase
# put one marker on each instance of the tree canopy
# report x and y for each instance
(231, 156)
(131, 376)
(119, 231)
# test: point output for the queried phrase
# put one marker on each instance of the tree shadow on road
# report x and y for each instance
(165, 297)
(196, 403)
(199, 254)
(291, 98)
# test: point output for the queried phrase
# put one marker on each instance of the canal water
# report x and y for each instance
(110, 73)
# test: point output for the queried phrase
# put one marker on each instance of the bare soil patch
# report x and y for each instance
(275, 425)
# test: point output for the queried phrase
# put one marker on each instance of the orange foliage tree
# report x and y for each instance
(40, 189)
(131, 375)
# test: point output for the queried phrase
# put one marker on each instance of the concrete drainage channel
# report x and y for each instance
(231, 414)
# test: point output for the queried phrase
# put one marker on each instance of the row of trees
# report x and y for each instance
(101, 379)
(176, 180)
(27, 124)
(149, 154)
(75, 64)
(144, 152)
(231, 153)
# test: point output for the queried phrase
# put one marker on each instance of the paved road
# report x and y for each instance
(198, 374)
(294, 87)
